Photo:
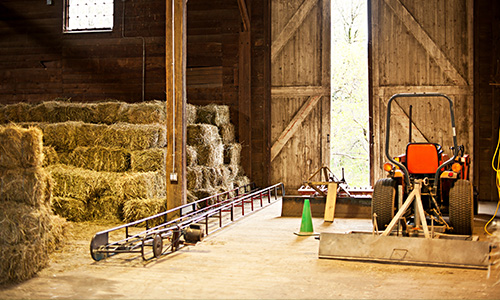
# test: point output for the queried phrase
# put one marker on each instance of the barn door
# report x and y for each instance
(300, 93)
(420, 46)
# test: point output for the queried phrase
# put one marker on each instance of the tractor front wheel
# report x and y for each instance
(384, 195)
(461, 209)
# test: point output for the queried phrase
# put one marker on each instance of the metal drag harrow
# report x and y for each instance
(191, 223)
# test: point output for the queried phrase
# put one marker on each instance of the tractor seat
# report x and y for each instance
(422, 158)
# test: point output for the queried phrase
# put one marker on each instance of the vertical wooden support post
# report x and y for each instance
(244, 100)
(175, 65)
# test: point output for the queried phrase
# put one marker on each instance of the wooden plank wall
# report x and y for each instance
(421, 46)
(300, 90)
(486, 94)
(216, 43)
(38, 62)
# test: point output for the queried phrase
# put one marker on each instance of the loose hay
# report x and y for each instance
(98, 159)
(202, 134)
(20, 148)
(27, 186)
(148, 160)
(136, 209)
(213, 114)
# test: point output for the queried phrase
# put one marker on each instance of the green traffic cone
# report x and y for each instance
(306, 226)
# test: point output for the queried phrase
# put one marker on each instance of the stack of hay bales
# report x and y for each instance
(107, 159)
(29, 231)
(213, 156)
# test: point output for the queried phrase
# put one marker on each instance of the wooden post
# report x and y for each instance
(244, 91)
(175, 66)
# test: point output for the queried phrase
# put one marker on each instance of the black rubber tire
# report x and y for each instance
(384, 195)
(461, 209)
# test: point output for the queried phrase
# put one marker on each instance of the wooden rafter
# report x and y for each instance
(426, 41)
(293, 125)
(291, 27)
(244, 15)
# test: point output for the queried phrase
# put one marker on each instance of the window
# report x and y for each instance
(88, 15)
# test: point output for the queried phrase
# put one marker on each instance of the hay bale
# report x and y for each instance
(78, 210)
(204, 193)
(28, 186)
(108, 112)
(20, 148)
(140, 185)
(202, 134)
(145, 113)
(149, 160)
(69, 208)
(212, 177)
(15, 113)
(227, 134)
(136, 209)
(190, 197)
(88, 185)
(191, 156)
(211, 155)
(50, 156)
(213, 114)
(241, 181)
(69, 135)
(59, 111)
(190, 114)
(232, 154)
(194, 177)
(27, 235)
(98, 159)
(78, 183)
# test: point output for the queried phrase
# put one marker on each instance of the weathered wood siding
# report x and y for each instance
(420, 46)
(300, 107)
(486, 94)
(38, 62)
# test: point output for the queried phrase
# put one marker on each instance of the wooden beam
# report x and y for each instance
(291, 27)
(245, 100)
(176, 103)
(293, 126)
(244, 15)
(299, 91)
(426, 41)
(388, 91)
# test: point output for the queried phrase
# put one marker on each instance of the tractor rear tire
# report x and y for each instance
(461, 209)
(384, 195)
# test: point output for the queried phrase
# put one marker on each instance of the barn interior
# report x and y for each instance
(169, 106)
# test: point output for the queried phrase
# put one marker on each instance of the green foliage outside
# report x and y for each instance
(349, 68)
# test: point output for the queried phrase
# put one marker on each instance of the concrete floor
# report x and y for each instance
(256, 257)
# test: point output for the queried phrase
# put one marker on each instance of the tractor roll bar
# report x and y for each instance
(387, 134)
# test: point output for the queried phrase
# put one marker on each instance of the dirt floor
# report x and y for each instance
(256, 257)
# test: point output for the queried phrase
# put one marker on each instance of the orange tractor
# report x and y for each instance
(433, 225)
(439, 184)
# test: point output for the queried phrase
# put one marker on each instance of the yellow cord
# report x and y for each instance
(497, 181)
